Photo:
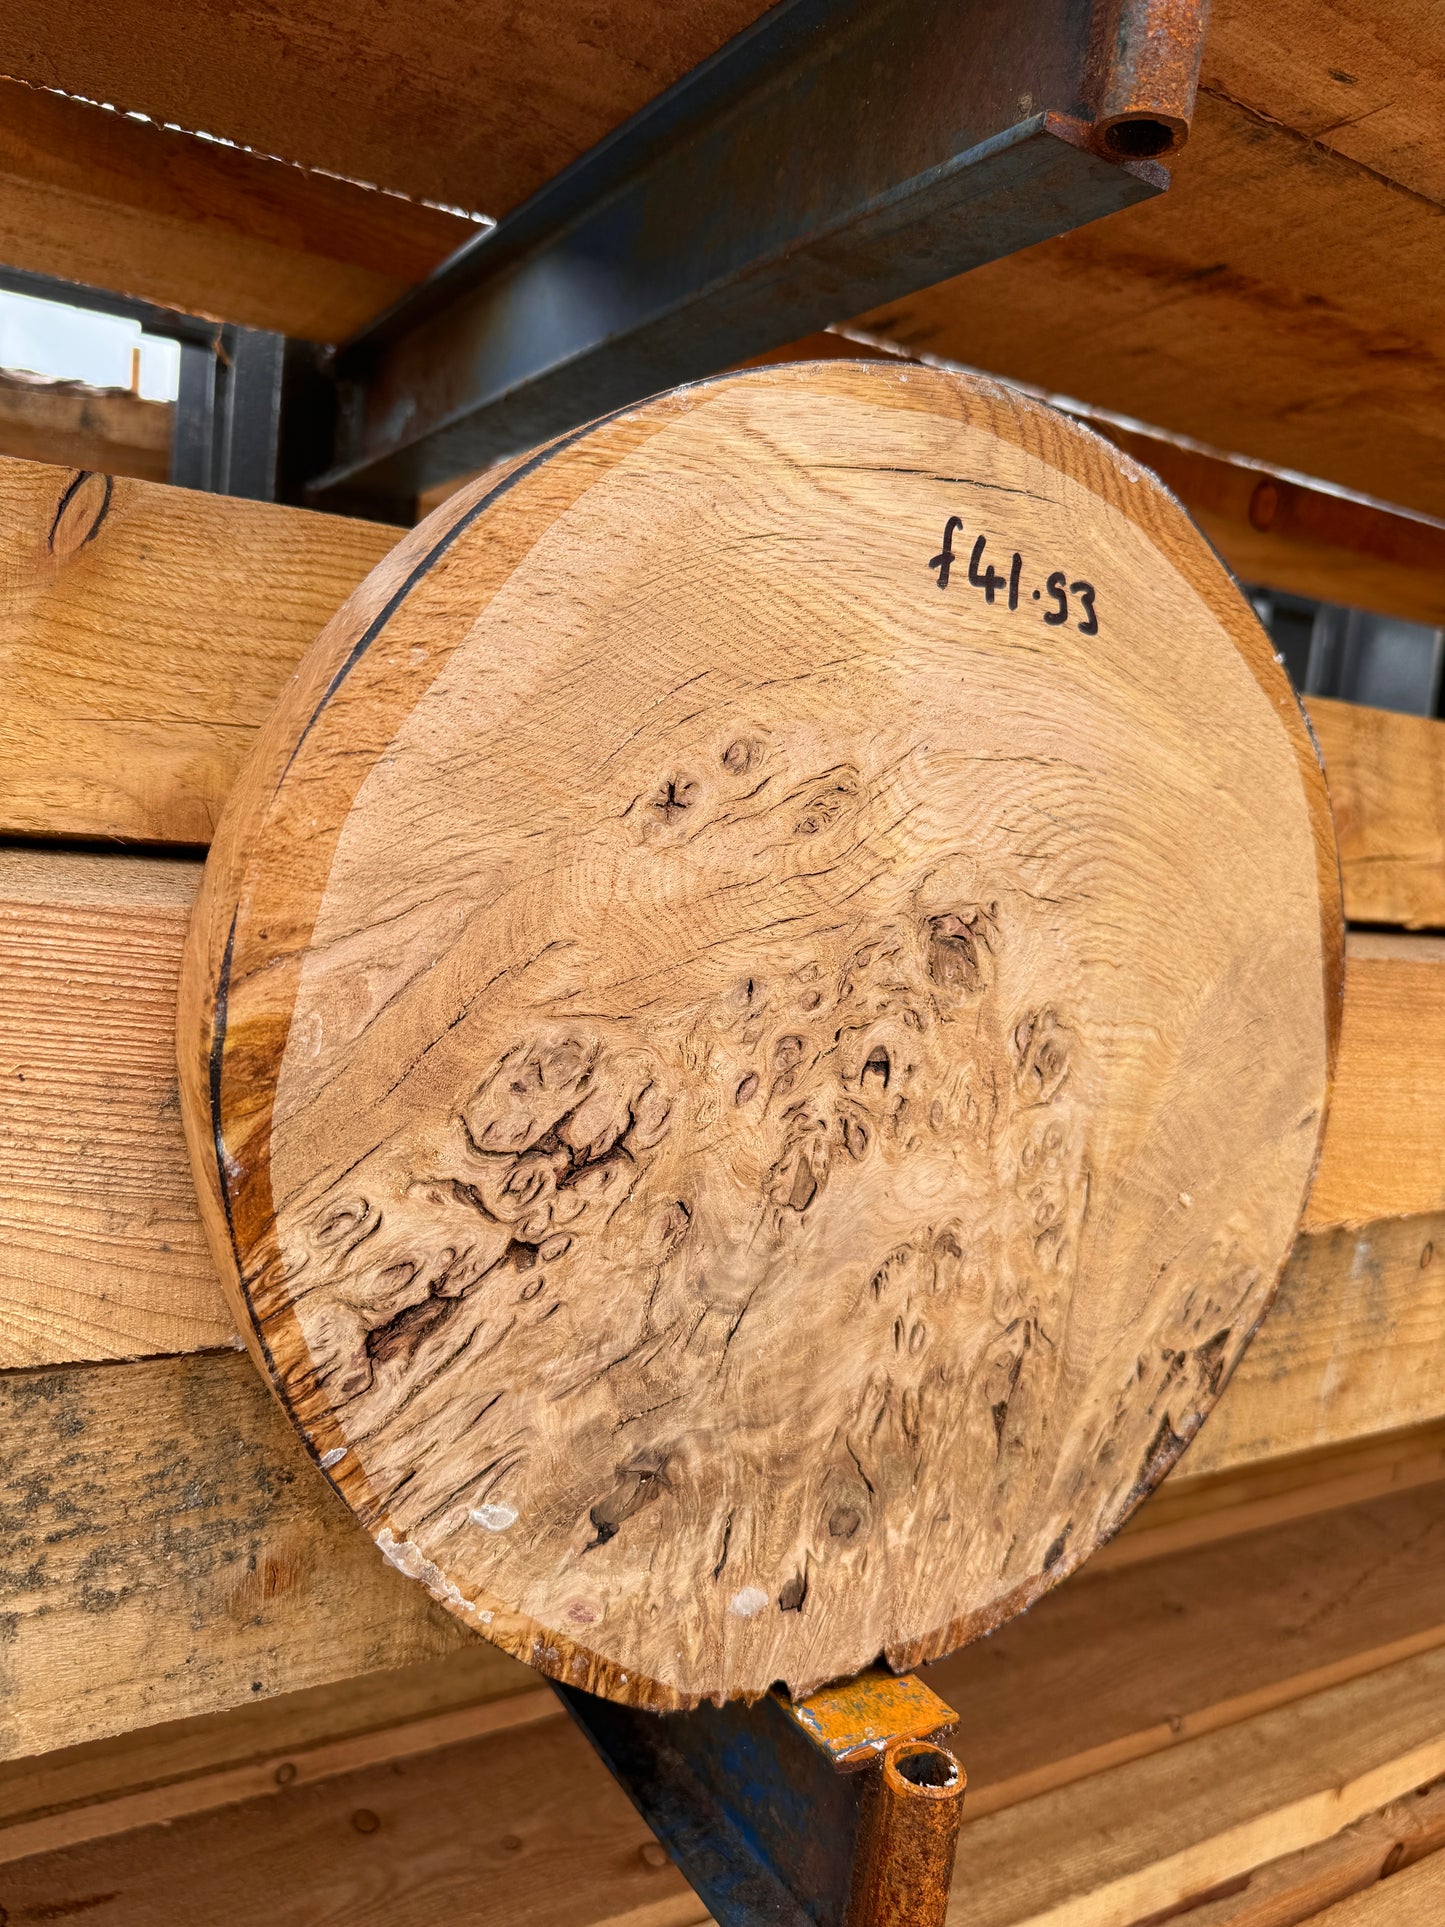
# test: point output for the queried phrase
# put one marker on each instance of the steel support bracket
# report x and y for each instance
(840, 1810)
(834, 156)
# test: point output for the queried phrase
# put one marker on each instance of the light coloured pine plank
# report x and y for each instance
(144, 633)
(1304, 540)
(1281, 302)
(1138, 1840)
(1387, 793)
(1415, 1898)
(228, 1784)
(1359, 77)
(101, 1250)
(495, 1823)
(1290, 1892)
(523, 1829)
(75, 1790)
(169, 1549)
(69, 421)
(1102, 1672)
(470, 103)
(535, 91)
(1384, 1149)
(1352, 1346)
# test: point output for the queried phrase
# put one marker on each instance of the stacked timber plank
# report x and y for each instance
(1226, 1726)
(82, 426)
(1233, 1707)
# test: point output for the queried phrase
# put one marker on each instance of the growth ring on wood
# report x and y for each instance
(759, 1023)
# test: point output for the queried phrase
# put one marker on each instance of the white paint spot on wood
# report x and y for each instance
(495, 1518)
(748, 1602)
(409, 1559)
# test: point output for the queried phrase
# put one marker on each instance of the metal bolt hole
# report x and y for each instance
(1139, 139)
(930, 1768)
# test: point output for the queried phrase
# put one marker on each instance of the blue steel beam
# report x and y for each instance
(772, 1811)
(836, 155)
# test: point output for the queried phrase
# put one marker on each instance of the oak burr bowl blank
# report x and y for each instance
(759, 1024)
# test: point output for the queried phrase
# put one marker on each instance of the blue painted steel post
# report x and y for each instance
(789, 1814)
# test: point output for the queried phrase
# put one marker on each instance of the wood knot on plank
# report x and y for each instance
(80, 513)
(960, 948)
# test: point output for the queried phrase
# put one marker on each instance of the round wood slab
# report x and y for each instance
(759, 1024)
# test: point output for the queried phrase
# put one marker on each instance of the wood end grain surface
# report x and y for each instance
(751, 1080)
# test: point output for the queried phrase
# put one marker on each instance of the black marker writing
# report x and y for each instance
(943, 561)
(1057, 586)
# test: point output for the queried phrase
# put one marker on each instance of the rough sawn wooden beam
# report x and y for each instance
(172, 619)
(117, 1268)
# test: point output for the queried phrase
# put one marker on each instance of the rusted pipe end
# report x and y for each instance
(904, 1866)
(1141, 137)
(921, 1770)
(1146, 69)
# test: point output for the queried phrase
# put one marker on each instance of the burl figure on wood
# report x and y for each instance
(759, 1025)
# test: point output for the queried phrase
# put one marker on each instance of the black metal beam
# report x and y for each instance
(838, 154)
(228, 413)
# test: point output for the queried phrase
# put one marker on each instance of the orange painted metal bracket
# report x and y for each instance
(855, 1719)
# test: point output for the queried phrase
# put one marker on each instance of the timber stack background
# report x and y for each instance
(1235, 1715)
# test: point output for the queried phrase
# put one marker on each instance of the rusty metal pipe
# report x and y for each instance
(1147, 75)
(908, 1839)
